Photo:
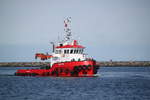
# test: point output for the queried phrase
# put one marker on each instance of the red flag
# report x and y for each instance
(65, 25)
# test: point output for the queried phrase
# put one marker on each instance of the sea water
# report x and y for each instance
(112, 83)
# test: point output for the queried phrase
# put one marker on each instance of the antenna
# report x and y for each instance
(58, 39)
(53, 46)
(67, 29)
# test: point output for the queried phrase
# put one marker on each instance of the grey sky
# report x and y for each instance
(110, 29)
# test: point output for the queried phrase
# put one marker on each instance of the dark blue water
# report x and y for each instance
(113, 83)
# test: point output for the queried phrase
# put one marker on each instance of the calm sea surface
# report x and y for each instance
(113, 83)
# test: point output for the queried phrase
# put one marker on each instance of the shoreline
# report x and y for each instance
(102, 64)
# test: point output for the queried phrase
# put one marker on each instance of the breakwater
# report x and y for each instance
(102, 63)
(23, 64)
(124, 63)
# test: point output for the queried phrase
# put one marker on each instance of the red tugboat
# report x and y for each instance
(67, 59)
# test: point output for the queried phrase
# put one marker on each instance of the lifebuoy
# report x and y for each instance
(84, 67)
(89, 67)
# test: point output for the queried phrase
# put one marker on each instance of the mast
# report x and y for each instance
(67, 29)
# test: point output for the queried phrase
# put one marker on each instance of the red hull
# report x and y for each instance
(64, 69)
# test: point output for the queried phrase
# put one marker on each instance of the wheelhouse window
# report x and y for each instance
(58, 51)
(75, 51)
(80, 51)
(71, 51)
(65, 51)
